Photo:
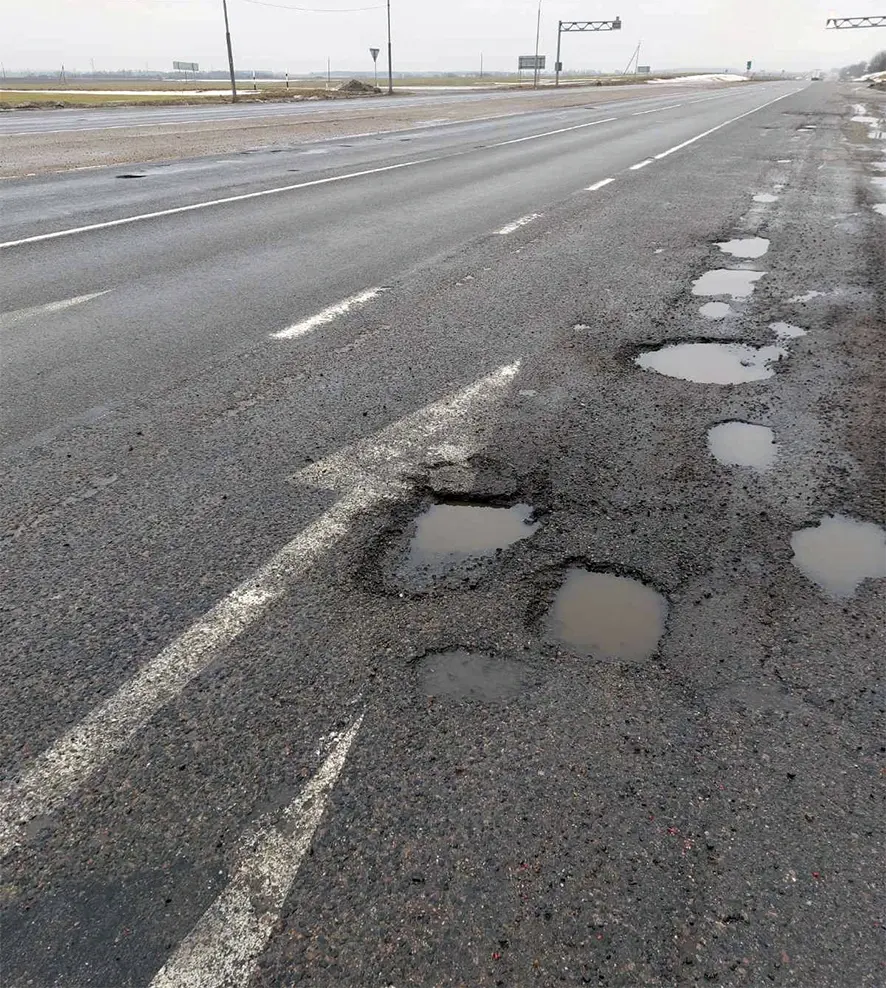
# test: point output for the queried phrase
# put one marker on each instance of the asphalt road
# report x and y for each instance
(264, 725)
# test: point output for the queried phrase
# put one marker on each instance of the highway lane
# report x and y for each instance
(282, 789)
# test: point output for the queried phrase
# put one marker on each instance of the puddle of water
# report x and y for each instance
(470, 530)
(807, 297)
(465, 675)
(880, 208)
(747, 247)
(737, 284)
(786, 331)
(839, 553)
(716, 310)
(740, 444)
(608, 617)
(713, 363)
(765, 197)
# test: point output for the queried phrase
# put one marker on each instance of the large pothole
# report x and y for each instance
(712, 363)
(740, 444)
(840, 553)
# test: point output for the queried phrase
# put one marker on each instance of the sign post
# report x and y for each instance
(530, 63)
(186, 67)
(374, 52)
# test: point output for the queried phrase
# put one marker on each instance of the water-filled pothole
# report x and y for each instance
(786, 330)
(725, 281)
(468, 675)
(740, 444)
(749, 247)
(607, 616)
(133, 175)
(713, 363)
(765, 197)
(716, 310)
(839, 553)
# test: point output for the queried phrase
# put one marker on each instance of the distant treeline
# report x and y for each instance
(876, 64)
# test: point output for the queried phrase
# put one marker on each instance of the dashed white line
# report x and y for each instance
(221, 949)
(9, 319)
(642, 164)
(600, 185)
(551, 133)
(658, 109)
(523, 221)
(368, 473)
(327, 315)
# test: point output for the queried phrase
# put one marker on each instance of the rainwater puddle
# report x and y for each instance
(740, 444)
(738, 284)
(608, 617)
(748, 247)
(713, 363)
(880, 208)
(765, 197)
(467, 675)
(839, 554)
(715, 310)
(786, 331)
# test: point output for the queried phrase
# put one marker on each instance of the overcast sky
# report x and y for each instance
(431, 34)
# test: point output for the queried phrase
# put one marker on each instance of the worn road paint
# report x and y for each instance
(552, 133)
(221, 949)
(670, 106)
(599, 185)
(523, 221)
(642, 164)
(327, 315)
(10, 319)
(368, 472)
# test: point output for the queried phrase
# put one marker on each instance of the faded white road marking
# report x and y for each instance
(658, 109)
(523, 221)
(328, 315)
(368, 472)
(600, 185)
(552, 133)
(641, 164)
(9, 319)
(726, 123)
(221, 949)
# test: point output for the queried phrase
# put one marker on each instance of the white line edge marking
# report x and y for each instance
(61, 769)
(713, 130)
(327, 315)
(523, 221)
(642, 164)
(16, 316)
(177, 210)
(600, 185)
(234, 930)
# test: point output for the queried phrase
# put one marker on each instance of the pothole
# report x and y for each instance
(724, 281)
(608, 617)
(470, 675)
(749, 247)
(133, 175)
(787, 331)
(460, 537)
(840, 553)
(740, 444)
(716, 310)
(713, 363)
(765, 197)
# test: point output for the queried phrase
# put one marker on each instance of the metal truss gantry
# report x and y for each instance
(574, 27)
(845, 23)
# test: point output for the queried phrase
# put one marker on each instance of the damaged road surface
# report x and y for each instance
(461, 562)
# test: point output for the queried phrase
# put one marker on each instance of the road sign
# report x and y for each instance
(186, 66)
(644, 69)
(529, 63)
(374, 52)
(750, 66)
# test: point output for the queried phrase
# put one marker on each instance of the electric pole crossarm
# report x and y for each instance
(846, 23)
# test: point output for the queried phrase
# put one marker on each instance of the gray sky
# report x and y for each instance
(431, 34)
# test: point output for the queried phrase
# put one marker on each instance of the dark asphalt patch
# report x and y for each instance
(466, 675)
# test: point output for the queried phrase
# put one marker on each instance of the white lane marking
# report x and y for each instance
(551, 133)
(642, 164)
(523, 221)
(600, 185)
(327, 315)
(368, 472)
(726, 123)
(658, 109)
(8, 319)
(221, 950)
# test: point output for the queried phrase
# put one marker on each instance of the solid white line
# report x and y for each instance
(368, 472)
(523, 221)
(642, 164)
(327, 315)
(221, 950)
(9, 319)
(551, 133)
(726, 123)
(599, 185)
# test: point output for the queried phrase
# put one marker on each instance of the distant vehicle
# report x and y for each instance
(817, 77)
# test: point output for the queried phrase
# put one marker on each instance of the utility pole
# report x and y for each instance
(230, 53)
(537, 39)
(481, 64)
(390, 56)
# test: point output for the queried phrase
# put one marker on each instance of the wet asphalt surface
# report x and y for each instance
(709, 813)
